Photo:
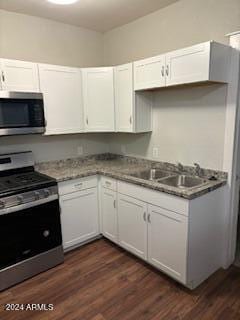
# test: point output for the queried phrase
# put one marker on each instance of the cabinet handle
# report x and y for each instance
(114, 204)
(149, 218)
(78, 185)
(3, 76)
(87, 120)
(167, 70)
(162, 71)
(144, 216)
(130, 119)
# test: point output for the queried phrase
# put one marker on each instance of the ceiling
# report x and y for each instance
(99, 15)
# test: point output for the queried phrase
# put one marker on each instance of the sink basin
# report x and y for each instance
(151, 174)
(183, 181)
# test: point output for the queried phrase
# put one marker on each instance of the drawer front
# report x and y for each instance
(109, 183)
(161, 199)
(74, 185)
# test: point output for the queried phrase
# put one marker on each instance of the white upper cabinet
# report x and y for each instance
(19, 75)
(133, 110)
(62, 91)
(98, 95)
(205, 62)
(149, 73)
(124, 97)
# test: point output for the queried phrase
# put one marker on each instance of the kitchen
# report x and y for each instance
(134, 137)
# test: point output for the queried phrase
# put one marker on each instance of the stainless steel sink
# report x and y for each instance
(183, 181)
(151, 174)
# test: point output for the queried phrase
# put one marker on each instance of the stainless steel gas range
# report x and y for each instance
(30, 228)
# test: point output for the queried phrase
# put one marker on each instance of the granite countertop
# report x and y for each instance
(122, 168)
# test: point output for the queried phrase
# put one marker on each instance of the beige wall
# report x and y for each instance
(181, 24)
(55, 147)
(35, 39)
(188, 127)
(188, 123)
(41, 40)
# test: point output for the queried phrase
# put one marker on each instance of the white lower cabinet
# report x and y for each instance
(167, 241)
(109, 214)
(79, 216)
(132, 225)
(182, 238)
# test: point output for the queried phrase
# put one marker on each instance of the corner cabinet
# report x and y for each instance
(109, 209)
(133, 110)
(204, 62)
(62, 91)
(98, 97)
(19, 75)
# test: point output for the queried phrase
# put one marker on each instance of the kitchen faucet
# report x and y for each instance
(198, 169)
(179, 166)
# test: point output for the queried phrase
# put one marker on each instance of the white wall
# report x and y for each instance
(181, 24)
(35, 39)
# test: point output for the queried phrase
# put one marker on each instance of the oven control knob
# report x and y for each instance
(46, 233)
(37, 195)
(20, 199)
(46, 193)
(2, 204)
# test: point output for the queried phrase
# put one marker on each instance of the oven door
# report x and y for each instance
(31, 231)
(21, 113)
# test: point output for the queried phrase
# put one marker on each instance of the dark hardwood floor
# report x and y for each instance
(102, 282)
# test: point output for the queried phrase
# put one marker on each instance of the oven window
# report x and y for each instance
(14, 114)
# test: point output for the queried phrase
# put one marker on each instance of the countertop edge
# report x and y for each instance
(145, 184)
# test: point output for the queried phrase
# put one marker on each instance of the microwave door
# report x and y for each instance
(21, 116)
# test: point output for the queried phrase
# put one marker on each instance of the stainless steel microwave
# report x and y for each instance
(21, 113)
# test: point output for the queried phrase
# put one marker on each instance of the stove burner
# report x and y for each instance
(22, 181)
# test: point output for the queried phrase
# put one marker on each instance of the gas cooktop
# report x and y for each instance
(26, 181)
(17, 175)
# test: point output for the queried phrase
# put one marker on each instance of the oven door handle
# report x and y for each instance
(28, 205)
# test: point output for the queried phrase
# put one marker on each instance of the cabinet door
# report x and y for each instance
(19, 75)
(109, 214)
(61, 87)
(124, 98)
(149, 73)
(79, 217)
(132, 226)
(98, 96)
(167, 241)
(188, 65)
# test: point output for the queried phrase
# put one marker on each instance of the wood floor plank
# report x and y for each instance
(100, 281)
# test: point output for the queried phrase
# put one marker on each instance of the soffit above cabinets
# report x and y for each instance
(93, 14)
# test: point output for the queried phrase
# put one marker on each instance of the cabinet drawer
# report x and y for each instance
(74, 185)
(161, 199)
(109, 183)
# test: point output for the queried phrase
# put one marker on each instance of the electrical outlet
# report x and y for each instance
(123, 148)
(155, 152)
(80, 150)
